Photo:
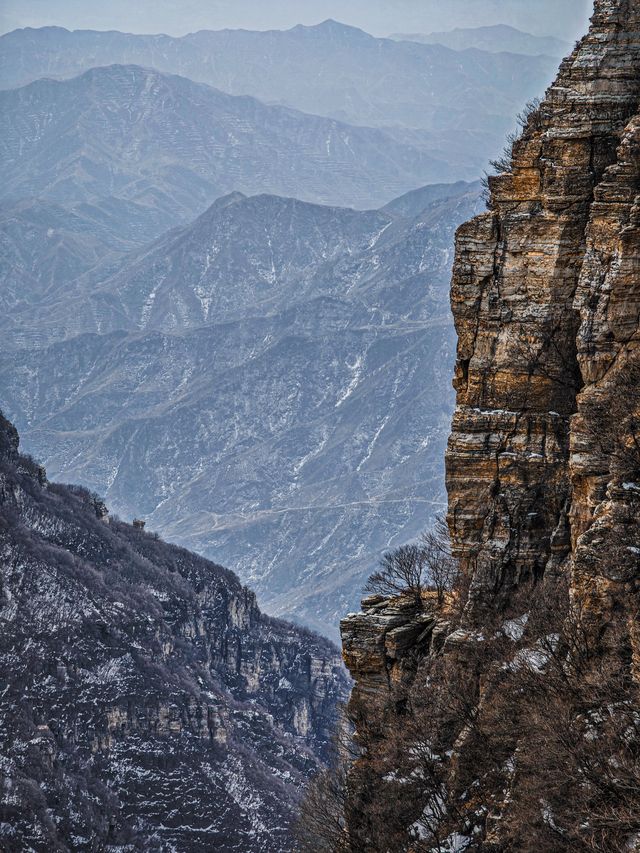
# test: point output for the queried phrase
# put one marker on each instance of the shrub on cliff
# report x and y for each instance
(414, 569)
(402, 572)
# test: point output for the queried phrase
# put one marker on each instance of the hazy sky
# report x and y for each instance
(566, 18)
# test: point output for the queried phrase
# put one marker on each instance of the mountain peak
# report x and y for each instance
(226, 200)
(333, 27)
(51, 29)
(116, 69)
(332, 24)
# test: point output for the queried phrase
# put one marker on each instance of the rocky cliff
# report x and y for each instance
(146, 702)
(545, 301)
(538, 647)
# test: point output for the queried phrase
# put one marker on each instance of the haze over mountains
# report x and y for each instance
(163, 148)
(253, 385)
(200, 326)
(498, 38)
(224, 300)
(566, 19)
(465, 101)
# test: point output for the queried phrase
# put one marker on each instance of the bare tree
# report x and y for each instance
(503, 163)
(413, 569)
(442, 568)
(322, 825)
(401, 572)
(552, 717)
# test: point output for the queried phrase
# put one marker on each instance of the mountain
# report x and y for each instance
(568, 17)
(243, 258)
(259, 373)
(504, 714)
(416, 201)
(495, 39)
(148, 703)
(44, 247)
(463, 100)
(162, 148)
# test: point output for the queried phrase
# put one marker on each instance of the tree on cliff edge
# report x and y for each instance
(401, 573)
(413, 569)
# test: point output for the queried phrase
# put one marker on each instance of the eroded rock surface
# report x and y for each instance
(543, 476)
(147, 703)
(527, 337)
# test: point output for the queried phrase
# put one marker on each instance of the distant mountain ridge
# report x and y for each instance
(493, 39)
(260, 370)
(466, 102)
(198, 275)
(162, 148)
(254, 375)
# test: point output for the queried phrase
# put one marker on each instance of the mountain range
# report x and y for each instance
(254, 386)
(377, 16)
(464, 100)
(199, 324)
(161, 148)
(498, 38)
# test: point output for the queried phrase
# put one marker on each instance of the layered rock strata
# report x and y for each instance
(527, 336)
(377, 643)
(543, 470)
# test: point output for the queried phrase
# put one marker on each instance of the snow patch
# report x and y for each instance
(514, 628)
(356, 369)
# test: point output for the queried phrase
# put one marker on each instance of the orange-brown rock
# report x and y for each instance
(379, 646)
(543, 477)
(545, 295)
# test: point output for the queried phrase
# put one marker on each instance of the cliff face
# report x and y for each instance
(537, 318)
(543, 477)
(147, 703)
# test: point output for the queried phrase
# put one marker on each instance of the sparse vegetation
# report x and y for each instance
(442, 568)
(417, 568)
(402, 572)
(502, 164)
(115, 643)
(548, 714)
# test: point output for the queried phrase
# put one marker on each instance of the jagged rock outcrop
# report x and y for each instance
(147, 703)
(376, 641)
(543, 476)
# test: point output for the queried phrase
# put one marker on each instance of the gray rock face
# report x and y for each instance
(147, 702)
(254, 385)
(163, 148)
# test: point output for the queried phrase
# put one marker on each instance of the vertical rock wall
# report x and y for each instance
(531, 338)
(543, 477)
